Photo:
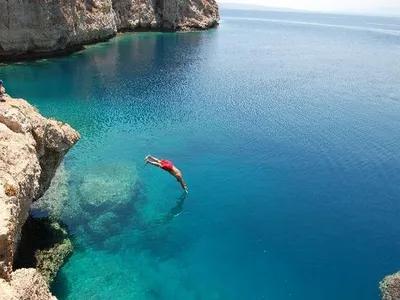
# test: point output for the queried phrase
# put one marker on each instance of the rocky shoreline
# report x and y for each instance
(31, 149)
(35, 30)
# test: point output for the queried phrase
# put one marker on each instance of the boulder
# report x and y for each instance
(390, 287)
(108, 187)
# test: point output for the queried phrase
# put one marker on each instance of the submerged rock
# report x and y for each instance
(97, 188)
(50, 260)
(96, 202)
(104, 225)
(55, 199)
(108, 187)
(45, 245)
(390, 287)
(106, 195)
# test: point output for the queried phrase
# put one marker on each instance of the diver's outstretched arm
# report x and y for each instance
(153, 163)
(183, 184)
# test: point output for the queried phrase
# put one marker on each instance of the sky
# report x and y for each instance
(324, 5)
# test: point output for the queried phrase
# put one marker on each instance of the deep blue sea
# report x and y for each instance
(286, 127)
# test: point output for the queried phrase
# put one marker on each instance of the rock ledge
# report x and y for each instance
(31, 149)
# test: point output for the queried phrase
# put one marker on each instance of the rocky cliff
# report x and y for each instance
(31, 149)
(33, 28)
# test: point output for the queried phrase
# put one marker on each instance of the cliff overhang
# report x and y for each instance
(31, 149)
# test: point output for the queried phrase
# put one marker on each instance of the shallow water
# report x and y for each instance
(286, 128)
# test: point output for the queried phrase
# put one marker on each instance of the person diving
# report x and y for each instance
(168, 166)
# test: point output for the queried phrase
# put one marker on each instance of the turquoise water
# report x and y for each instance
(285, 126)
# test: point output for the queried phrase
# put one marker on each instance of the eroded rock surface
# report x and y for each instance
(26, 284)
(31, 149)
(38, 27)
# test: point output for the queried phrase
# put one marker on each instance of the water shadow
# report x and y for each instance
(173, 213)
(157, 236)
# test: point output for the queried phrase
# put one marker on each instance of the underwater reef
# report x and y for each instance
(390, 287)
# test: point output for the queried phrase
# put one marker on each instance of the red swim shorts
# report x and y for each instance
(166, 165)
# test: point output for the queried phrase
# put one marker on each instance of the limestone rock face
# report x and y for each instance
(26, 284)
(47, 25)
(36, 27)
(132, 14)
(189, 14)
(390, 287)
(31, 149)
